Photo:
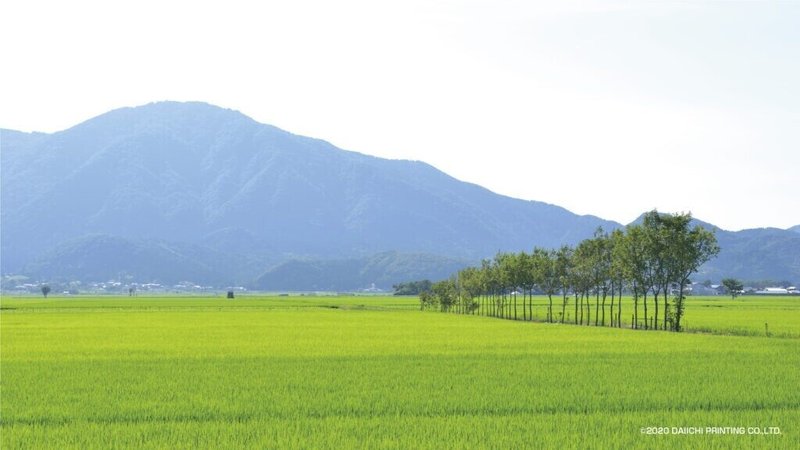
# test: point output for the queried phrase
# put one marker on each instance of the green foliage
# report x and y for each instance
(370, 372)
(427, 300)
(733, 286)
(658, 255)
(678, 252)
(446, 294)
(412, 287)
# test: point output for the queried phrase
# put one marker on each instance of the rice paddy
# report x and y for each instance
(375, 372)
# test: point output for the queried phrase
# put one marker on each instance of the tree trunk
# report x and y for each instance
(597, 307)
(603, 321)
(588, 308)
(611, 308)
(645, 310)
(679, 305)
(666, 308)
(655, 313)
(530, 304)
(576, 308)
(501, 305)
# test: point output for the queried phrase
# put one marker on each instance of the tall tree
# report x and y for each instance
(427, 300)
(469, 281)
(688, 250)
(600, 249)
(634, 256)
(547, 276)
(500, 279)
(527, 281)
(657, 240)
(446, 294)
(582, 277)
(563, 265)
(507, 275)
(617, 273)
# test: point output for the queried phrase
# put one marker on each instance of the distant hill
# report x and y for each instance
(757, 254)
(382, 270)
(102, 257)
(795, 228)
(195, 192)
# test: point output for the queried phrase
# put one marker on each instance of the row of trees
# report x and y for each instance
(650, 261)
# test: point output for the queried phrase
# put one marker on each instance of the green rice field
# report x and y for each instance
(375, 372)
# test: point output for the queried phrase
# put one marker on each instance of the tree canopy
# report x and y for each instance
(733, 286)
(652, 259)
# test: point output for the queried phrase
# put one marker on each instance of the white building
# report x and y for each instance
(773, 291)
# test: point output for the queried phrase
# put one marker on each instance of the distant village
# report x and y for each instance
(718, 289)
(20, 285)
(107, 287)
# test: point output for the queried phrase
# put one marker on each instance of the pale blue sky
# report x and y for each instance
(604, 107)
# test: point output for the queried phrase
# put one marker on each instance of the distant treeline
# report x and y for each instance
(651, 260)
(413, 287)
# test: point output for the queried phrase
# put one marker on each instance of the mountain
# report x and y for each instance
(382, 270)
(103, 257)
(196, 176)
(190, 191)
(757, 254)
(751, 255)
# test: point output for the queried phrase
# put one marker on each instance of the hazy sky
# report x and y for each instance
(608, 108)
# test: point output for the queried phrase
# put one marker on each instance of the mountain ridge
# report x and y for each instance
(194, 175)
